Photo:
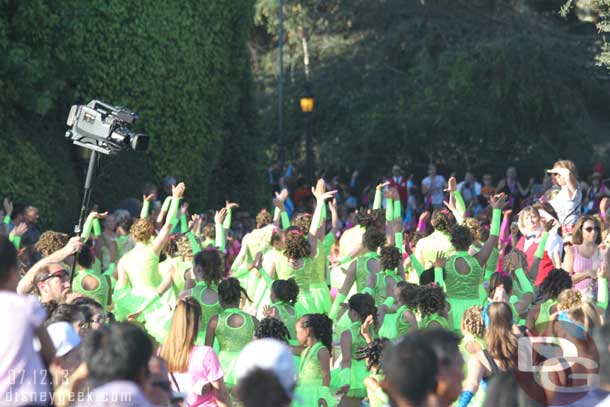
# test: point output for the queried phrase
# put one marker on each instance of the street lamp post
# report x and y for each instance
(307, 105)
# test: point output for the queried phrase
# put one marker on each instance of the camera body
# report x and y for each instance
(104, 128)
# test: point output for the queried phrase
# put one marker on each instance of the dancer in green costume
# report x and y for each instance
(540, 313)
(232, 327)
(350, 379)
(208, 270)
(432, 306)
(403, 320)
(141, 292)
(314, 332)
(464, 273)
(274, 266)
(371, 354)
(284, 295)
(89, 282)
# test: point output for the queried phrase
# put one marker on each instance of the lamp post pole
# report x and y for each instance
(307, 105)
(282, 150)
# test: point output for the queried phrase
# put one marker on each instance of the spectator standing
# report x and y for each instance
(432, 188)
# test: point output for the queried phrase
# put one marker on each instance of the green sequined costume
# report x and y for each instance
(100, 294)
(377, 398)
(232, 340)
(319, 290)
(302, 276)
(309, 389)
(425, 321)
(207, 310)
(462, 289)
(544, 314)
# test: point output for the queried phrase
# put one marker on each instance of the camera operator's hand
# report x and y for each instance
(178, 190)
(74, 245)
(8, 206)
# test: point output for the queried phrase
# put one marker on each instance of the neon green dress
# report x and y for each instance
(309, 388)
(362, 270)
(232, 340)
(100, 294)
(462, 289)
(288, 316)
(358, 371)
(181, 266)
(428, 319)
(319, 289)
(142, 267)
(380, 290)
(207, 310)
(302, 276)
(544, 314)
(377, 398)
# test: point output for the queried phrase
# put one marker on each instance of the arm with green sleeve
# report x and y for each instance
(497, 203)
(492, 263)
(163, 236)
(378, 198)
(439, 278)
(460, 206)
(164, 209)
(87, 227)
(220, 231)
(145, 208)
(398, 238)
(602, 292)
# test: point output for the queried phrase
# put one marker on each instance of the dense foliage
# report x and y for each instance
(182, 66)
(470, 85)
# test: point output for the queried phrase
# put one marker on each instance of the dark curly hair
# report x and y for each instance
(554, 283)
(408, 295)
(498, 279)
(303, 222)
(272, 328)
(86, 258)
(62, 313)
(321, 328)
(142, 230)
(208, 266)
(125, 222)
(286, 290)
(367, 218)
(430, 299)
(442, 221)
(373, 238)
(230, 292)
(390, 257)
(170, 249)
(461, 237)
(363, 305)
(297, 246)
(263, 218)
(372, 352)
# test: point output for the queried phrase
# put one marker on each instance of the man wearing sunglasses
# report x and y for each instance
(53, 283)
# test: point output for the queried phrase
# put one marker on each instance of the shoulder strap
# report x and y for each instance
(492, 363)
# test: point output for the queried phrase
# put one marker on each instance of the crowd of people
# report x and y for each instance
(393, 294)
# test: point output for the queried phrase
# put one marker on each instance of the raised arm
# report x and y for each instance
(497, 202)
(164, 233)
(319, 192)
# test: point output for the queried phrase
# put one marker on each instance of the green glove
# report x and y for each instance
(524, 282)
(542, 245)
(16, 240)
(226, 224)
(377, 200)
(173, 211)
(492, 263)
(389, 210)
(87, 228)
(416, 264)
(194, 244)
(496, 220)
(438, 277)
(7, 220)
(97, 228)
(184, 225)
(602, 292)
(166, 202)
(220, 237)
(334, 310)
(285, 220)
(145, 209)
(460, 205)
(266, 277)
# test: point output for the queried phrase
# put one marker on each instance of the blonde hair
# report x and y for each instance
(473, 321)
(587, 315)
(142, 230)
(182, 334)
(184, 249)
(568, 299)
(475, 228)
(528, 210)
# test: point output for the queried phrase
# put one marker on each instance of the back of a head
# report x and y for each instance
(442, 221)
(260, 387)
(461, 237)
(443, 342)
(263, 218)
(117, 351)
(373, 238)
(51, 241)
(410, 367)
(556, 281)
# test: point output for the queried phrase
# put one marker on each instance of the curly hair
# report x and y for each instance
(514, 257)
(415, 237)
(50, 242)
(473, 321)
(408, 295)
(230, 292)
(569, 299)
(430, 299)
(272, 328)
(321, 328)
(263, 218)
(286, 290)
(372, 352)
(554, 283)
(390, 257)
(367, 218)
(208, 266)
(142, 230)
(498, 279)
(475, 228)
(62, 313)
(183, 247)
(170, 248)
(303, 222)
(297, 246)
(461, 237)
(442, 221)
(209, 230)
(373, 238)
(363, 305)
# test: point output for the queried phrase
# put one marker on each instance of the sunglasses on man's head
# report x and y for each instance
(61, 274)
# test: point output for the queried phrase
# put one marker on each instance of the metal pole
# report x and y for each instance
(308, 149)
(85, 204)
(282, 150)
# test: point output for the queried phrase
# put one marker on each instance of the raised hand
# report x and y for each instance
(497, 201)
(20, 229)
(8, 206)
(500, 294)
(220, 215)
(451, 185)
(440, 260)
(270, 312)
(319, 189)
(382, 185)
(424, 216)
(74, 245)
(195, 221)
(149, 197)
(231, 205)
(178, 190)
(548, 226)
(332, 205)
(366, 329)
(602, 270)
(99, 215)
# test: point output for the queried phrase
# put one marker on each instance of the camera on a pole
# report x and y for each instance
(104, 128)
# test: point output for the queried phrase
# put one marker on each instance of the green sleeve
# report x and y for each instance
(524, 282)
(399, 241)
(16, 240)
(285, 220)
(419, 269)
(389, 210)
(542, 245)
(226, 224)
(173, 211)
(492, 263)
(194, 244)
(7, 220)
(184, 226)
(145, 209)
(97, 228)
(377, 201)
(87, 228)
(460, 205)
(266, 277)
(166, 202)
(496, 219)
(316, 220)
(397, 210)
(438, 277)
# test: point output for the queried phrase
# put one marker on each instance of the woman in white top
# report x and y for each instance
(568, 201)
